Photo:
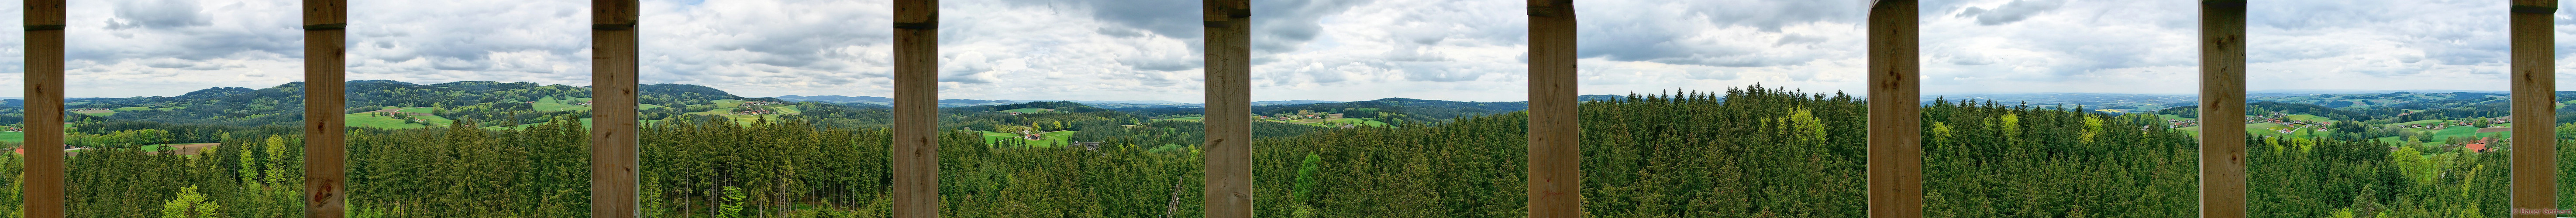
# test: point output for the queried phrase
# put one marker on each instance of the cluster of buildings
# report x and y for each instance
(2479, 145)
(2175, 123)
(1032, 135)
(1303, 114)
(754, 112)
(2463, 122)
(2276, 118)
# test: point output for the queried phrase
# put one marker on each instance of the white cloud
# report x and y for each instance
(1324, 49)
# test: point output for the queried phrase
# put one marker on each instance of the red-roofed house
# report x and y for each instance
(2479, 145)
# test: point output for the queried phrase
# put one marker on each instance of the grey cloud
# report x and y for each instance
(1413, 53)
(2014, 11)
(2447, 33)
(168, 64)
(1715, 75)
(1792, 39)
(1170, 18)
(1645, 30)
(456, 64)
(967, 79)
(1286, 26)
(1969, 59)
(1159, 64)
(1120, 32)
(1432, 73)
(158, 14)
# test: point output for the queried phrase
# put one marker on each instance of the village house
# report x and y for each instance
(2480, 145)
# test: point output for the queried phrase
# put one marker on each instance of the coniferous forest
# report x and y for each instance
(1750, 152)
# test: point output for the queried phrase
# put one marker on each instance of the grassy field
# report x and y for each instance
(1191, 119)
(2267, 129)
(2310, 118)
(142, 108)
(166, 147)
(559, 104)
(1359, 121)
(13, 137)
(371, 120)
(2420, 122)
(2459, 131)
(417, 110)
(1030, 110)
(728, 103)
(1052, 138)
(2174, 117)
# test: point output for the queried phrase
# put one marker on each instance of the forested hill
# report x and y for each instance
(1399, 109)
(1752, 152)
(1772, 153)
(204, 116)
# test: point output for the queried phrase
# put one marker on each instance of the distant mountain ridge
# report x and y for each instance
(884, 101)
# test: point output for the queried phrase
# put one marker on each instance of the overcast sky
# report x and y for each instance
(1344, 50)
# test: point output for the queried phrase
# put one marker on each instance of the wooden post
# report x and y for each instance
(2535, 140)
(1229, 108)
(44, 96)
(916, 108)
(2222, 103)
(613, 124)
(1895, 110)
(1555, 180)
(324, 126)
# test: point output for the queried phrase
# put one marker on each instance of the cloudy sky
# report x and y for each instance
(1304, 49)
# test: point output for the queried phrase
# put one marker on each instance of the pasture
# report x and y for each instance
(1052, 138)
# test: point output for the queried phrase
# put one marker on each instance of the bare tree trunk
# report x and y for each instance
(1175, 204)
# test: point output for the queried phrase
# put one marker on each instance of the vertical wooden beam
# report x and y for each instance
(2535, 139)
(1555, 181)
(324, 127)
(1895, 110)
(916, 108)
(44, 96)
(2222, 101)
(1229, 108)
(613, 124)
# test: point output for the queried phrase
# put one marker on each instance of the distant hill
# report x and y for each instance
(1407, 109)
(884, 101)
(2410, 100)
(1290, 102)
(479, 100)
(1124, 104)
(2360, 91)
(1607, 98)
(839, 99)
(2090, 101)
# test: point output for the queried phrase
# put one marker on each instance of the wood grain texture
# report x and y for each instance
(2222, 100)
(44, 102)
(1228, 147)
(326, 11)
(1555, 178)
(325, 129)
(916, 109)
(2535, 144)
(1895, 110)
(613, 125)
